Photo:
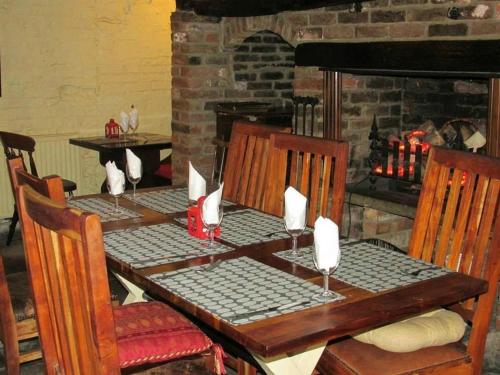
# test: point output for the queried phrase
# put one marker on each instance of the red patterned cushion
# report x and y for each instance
(165, 171)
(149, 332)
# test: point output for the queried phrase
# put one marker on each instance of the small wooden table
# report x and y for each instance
(291, 343)
(146, 146)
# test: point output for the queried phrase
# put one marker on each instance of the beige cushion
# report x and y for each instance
(434, 328)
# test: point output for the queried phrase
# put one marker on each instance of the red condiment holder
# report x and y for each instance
(112, 129)
(195, 223)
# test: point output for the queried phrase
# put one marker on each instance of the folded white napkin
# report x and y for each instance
(295, 209)
(124, 121)
(116, 178)
(211, 207)
(197, 184)
(134, 164)
(326, 243)
(134, 118)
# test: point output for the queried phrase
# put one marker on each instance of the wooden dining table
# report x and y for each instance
(281, 324)
(146, 146)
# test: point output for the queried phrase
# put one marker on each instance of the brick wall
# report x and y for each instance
(379, 20)
(263, 69)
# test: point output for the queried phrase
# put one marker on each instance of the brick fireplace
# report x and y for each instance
(208, 68)
(205, 72)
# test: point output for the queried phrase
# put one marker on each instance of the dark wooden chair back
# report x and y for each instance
(49, 186)
(457, 226)
(314, 166)
(246, 171)
(301, 114)
(15, 145)
(70, 286)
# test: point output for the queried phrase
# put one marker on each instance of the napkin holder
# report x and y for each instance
(195, 223)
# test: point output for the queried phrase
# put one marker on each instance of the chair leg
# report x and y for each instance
(12, 227)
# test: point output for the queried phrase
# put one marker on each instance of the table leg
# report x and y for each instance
(302, 363)
(135, 294)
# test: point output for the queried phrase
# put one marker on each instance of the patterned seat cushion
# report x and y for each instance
(20, 295)
(150, 332)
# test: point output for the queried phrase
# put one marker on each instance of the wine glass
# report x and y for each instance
(117, 194)
(326, 295)
(133, 180)
(211, 218)
(295, 231)
(134, 120)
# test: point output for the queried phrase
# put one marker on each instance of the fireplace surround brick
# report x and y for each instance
(202, 72)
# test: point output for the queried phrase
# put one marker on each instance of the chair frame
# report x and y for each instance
(67, 347)
(14, 144)
(246, 172)
(12, 332)
(457, 226)
(312, 178)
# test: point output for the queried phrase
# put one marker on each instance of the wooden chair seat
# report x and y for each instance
(149, 332)
(69, 186)
(353, 357)
(20, 295)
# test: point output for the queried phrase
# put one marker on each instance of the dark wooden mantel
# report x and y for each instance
(250, 8)
(461, 59)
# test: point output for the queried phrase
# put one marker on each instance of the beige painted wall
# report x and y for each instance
(70, 66)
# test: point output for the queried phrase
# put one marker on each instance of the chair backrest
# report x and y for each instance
(65, 255)
(314, 166)
(49, 186)
(14, 145)
(245, 172)
(300, 105)
(457, 225)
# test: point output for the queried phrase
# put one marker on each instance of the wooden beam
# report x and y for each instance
(332, 105)
(493, 127)
(436, 58)
(249, 8)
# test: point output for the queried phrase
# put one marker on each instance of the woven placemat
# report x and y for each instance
(105, 209)
(157, 244)
(249, 226)
(372, 267)
(242, 290)
(166, 201)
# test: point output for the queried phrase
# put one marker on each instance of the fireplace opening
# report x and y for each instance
(397, 119)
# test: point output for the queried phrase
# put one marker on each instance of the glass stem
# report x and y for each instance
(116, 203)
(294, 244)
(134, 191)
(325, 284)
(211, 234)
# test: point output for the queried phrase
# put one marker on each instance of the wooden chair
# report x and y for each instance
(457, 226)
(246, 171)
(14, 146)
(80, 332)
(300, 105)
(17, 319)
(314, 166)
